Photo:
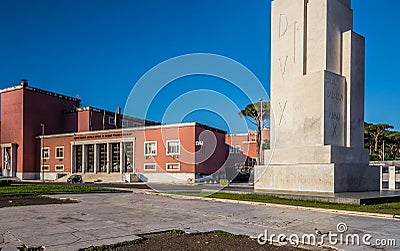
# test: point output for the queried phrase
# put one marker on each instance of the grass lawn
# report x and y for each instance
(37, 189)
(179, 240)
(384, 208)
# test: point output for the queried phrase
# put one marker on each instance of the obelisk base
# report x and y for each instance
(325, 174)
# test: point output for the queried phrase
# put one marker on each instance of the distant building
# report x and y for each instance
(243, 147)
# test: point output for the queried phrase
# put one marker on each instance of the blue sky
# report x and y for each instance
(98, 49)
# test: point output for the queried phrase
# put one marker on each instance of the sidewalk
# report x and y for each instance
(110, 218)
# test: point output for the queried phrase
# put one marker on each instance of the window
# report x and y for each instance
(45, 168)
(231, 149)
(78, 158)
(124, 123)
(173, 166)
(111, 120)
(59, 152)
(238, 149)
(103, 158)
(46, 153)
(150, 148)
(173, 147)
(150, 167)
(59, 168)
(89, 158)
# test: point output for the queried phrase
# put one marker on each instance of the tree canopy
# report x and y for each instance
(383, 143)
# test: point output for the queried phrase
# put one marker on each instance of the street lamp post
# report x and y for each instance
(261, 131)
(41, 152)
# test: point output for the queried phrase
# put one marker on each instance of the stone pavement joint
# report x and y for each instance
(8, 242)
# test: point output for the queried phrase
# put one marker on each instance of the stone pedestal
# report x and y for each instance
(318, 169)
(317, 100)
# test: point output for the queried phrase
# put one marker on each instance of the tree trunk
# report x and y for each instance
(376, 143)
(258, 141)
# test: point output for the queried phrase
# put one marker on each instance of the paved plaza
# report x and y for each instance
(110, 218)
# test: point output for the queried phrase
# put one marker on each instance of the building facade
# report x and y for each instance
(158, 153)
(243, 147)
(45, 135)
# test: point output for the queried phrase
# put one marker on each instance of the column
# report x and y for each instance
(95, 158)
(83, 158)
(392, 177)
(73, 168)
(133, 161)
(108, 157)
(3, 161)
(121, 157)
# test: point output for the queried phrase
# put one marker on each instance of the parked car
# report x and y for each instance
(74, 179)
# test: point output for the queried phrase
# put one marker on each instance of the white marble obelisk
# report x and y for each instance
(317, 97)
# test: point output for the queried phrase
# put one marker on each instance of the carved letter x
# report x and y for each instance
(282, 112)
(334, 129)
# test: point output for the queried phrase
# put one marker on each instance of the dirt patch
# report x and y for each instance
(27, 200)
(178, 241)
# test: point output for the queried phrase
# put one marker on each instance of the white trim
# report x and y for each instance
(41, 152)
(72, 164)
(63, 152)
(150, 154)
(45, 170)
(12, 88)
(166, 147)
(151, 170)
(167, 178)
(249, 142)
(29, 175)
(119, 130)
(231, 149)
(55, 168)
(238, 134)
(7, 145)
(102, 141)
(173, 170)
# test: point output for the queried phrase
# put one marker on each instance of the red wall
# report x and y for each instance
(22, 112)
(52, 143)
(187, 135)
(83, 121)
(12, 117)
(161, 135)
(247, 142)
(97, 120)
(211, 153)
(42, 108)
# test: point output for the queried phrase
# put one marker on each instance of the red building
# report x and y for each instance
(47, 135)
(243, 147)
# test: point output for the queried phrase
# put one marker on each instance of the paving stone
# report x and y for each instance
(108, 218)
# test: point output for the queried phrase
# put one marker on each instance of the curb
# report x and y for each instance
(324, 210)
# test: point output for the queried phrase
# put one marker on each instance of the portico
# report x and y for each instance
(103, 156)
